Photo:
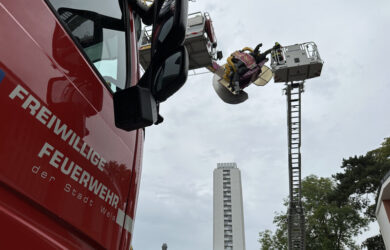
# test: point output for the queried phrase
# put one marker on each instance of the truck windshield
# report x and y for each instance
(99, 27)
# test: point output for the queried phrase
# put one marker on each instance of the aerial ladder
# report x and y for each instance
(293, 65)
(296, 220)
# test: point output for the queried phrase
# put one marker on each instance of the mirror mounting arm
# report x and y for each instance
(145, 12)
(138, 106)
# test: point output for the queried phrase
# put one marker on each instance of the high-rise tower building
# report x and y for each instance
(228, 210)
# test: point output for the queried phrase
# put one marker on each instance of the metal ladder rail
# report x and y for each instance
(296, 228)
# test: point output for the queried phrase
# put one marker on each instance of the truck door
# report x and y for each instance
(66, 171)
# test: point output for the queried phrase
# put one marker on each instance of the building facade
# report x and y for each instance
(228, 226)
(383, 209)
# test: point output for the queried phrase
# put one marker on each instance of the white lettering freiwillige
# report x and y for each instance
(53, 123)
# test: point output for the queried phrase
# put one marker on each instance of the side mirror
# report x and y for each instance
(170, 75)
(137, 106)
(134, 108)
(170, 24)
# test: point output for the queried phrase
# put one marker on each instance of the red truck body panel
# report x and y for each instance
(68, 177)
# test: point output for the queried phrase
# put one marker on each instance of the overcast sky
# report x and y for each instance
(345, 112)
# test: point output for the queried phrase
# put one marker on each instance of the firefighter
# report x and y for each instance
(277, 53)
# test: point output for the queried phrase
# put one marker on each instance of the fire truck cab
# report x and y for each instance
(73, 112)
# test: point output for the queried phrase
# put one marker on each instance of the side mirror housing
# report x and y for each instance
(137, 106)
(134, 108)
(170, 74)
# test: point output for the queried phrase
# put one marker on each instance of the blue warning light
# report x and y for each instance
(2, 74)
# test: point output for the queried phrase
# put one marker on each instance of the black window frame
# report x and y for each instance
(129, 73)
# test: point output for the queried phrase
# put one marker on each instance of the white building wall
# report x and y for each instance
(383, 216)
(237, 210)
(384, 225)
(228, 208)
(217, 212)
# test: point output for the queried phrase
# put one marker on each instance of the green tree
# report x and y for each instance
(339, 208)
(278, 240)
(374, 243)
(360, 179)
(328, 225)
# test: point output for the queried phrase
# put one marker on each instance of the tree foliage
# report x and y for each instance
(338, 209)
(374, 243)
(328, 226)
(362, 176)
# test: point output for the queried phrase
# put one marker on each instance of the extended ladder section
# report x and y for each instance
(200, 41)
(292, 65)
(296, 220)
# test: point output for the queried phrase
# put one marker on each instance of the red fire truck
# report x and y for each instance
(73, 107)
